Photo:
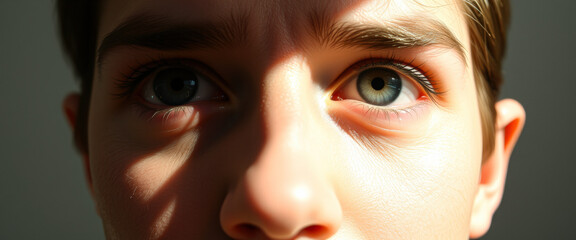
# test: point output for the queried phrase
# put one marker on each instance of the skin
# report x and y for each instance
(281, 157)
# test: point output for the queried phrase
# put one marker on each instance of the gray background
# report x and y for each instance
(43, 194)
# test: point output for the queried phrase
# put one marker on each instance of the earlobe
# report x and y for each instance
(509, 123)
(70, 106)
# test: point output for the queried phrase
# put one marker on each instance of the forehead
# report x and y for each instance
(282, 17)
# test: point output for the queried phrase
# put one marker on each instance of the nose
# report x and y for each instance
(286, 193)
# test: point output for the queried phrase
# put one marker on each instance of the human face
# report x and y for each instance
(283, 130)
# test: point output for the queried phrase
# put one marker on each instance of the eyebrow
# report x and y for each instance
(163, 33)
(395, 33)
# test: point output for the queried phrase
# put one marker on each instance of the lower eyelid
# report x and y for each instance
(177, 118)
(382, 120)
(169, 118)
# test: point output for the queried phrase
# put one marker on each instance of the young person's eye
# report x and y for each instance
(382, 89)
(384, 83)
(172, 90)
(379, 86)
(171, 83)
(175, 86)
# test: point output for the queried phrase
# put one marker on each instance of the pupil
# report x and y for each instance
(378, 83)
(177, 84)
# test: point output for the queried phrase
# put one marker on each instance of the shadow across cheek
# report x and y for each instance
(175, 187)
(192, 183)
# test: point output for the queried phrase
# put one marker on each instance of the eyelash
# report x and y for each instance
(128, 83)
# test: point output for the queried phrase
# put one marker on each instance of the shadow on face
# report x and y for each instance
(282, 120)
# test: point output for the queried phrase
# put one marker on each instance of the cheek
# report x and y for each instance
(143, 182)
(132, 187)
(156, 192)
(426, 184)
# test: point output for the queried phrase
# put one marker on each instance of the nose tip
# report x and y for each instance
(297, 213)
(281, 201)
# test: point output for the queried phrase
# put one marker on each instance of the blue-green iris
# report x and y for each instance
(379, 86)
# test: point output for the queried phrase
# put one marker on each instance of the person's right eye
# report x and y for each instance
(173, 90)
(175, 86)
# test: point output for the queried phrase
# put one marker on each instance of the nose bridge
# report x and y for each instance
(285, 192)
(288, 109)
(286, 88)
(289, 158)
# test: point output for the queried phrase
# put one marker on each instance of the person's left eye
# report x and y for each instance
(386, 84)
(383, 93)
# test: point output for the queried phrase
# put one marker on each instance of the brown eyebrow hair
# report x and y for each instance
(163, 33)
(397, 33)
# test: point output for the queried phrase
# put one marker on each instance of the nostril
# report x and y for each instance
(315, 231)
(249, 231)
(246, 229)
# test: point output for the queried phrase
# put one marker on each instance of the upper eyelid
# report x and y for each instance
(422, 77)
(403, 68)
(143, 70)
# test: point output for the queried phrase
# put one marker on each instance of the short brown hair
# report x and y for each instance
(487, 22)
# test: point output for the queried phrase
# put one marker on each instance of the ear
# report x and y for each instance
(509, 123)
(70, 106)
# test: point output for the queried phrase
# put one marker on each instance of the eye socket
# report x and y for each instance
(382, 85)
(178, 85)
